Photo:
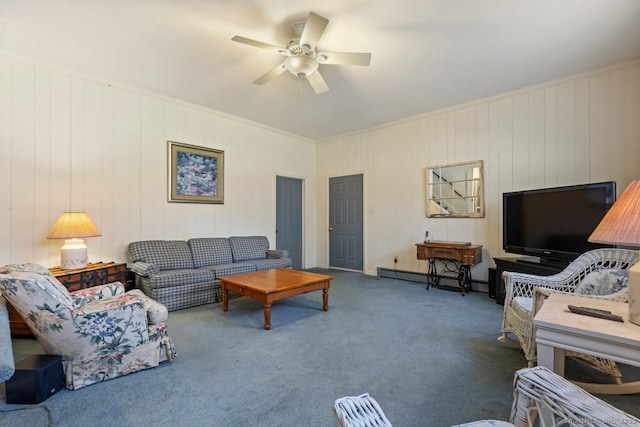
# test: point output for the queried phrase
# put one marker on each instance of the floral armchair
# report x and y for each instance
(100, 332)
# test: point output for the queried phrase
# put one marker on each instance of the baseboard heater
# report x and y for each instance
(418, 277)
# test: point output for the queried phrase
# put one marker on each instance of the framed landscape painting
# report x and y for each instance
(196, 174)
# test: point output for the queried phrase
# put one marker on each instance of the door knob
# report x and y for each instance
(330, 228)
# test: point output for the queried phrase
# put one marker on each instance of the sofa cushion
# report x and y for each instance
(210, 251)
(247, 248)
(231, 268)
(164, 254)
(171, 278)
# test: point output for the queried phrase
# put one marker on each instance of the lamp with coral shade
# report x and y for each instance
(621, 226)
(73, 227)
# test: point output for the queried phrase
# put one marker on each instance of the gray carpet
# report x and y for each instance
(430, 358)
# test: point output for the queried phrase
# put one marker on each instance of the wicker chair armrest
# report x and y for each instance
(522, 284)
(537, 389)
(540, 295)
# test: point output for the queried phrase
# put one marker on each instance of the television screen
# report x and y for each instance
(555, 223)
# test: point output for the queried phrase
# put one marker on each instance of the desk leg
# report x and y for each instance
(325, 299)
(432, 274)
(464, 278)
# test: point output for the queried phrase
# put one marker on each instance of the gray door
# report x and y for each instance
(289, 218)
(345, 222)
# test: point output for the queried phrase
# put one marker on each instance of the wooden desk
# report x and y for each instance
(97, 273)
(558, 331)
(457, 258)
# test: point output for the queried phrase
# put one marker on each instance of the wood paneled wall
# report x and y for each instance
(72, 142)
(581, 129)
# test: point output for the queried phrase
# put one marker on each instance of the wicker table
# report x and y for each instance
(558, 330)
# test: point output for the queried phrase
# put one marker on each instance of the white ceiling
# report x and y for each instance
(426, 54)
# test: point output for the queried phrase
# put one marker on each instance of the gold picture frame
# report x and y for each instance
(196, 174)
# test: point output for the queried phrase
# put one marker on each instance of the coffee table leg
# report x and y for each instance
(225, 299)
(267, 316)
(325, 299)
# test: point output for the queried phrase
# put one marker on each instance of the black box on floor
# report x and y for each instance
(36, 378)
(492, 282)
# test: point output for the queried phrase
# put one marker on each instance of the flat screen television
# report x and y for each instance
(554, 223)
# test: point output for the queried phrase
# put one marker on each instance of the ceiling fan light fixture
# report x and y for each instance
(301, 66)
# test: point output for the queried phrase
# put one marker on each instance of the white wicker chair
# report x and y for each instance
(359, 411)
(540, 398)
(539, 391)
(525, 294)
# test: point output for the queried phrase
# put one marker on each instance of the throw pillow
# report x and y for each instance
(603, 282)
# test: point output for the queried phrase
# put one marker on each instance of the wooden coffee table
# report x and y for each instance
(272, 285)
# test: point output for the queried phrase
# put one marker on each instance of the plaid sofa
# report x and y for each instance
(181, 274)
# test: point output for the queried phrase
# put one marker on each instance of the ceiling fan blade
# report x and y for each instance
(261, 45)
(344, 58)
(270, 75)
(313, 29)
(317, 83)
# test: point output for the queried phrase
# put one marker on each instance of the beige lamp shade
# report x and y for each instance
(73, 226)
(621, 226)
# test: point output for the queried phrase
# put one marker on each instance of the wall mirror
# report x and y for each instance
(455, 190)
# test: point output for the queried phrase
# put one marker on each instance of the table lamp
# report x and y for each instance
(73, 226)
(621, 226)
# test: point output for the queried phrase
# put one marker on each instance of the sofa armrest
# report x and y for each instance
(144, 269)
(84, 296)
(277, 253)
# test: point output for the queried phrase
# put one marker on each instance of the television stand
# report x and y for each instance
(527, 265)
(544, 262)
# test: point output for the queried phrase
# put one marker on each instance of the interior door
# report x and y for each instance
(289, 218)
(346, 222)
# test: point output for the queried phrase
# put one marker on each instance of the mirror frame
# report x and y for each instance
(465, 187)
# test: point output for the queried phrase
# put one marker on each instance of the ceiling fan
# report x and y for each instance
(302, 57)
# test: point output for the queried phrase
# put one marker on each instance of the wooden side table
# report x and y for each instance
(95, 274)
(457, 257)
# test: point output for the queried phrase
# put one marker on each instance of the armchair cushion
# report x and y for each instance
(522, 305)
(603, 282)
